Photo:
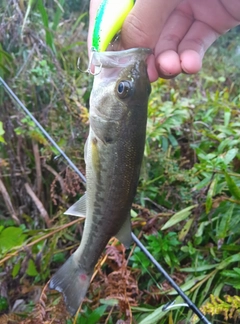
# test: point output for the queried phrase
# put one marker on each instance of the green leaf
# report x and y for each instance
(141, 309)
(233, 188)
(3, 304)
(44, 15)
(227, 261)
(11, 237)
(109, 302)
(173, 140)
(29, 7)
(202, 226)
(200, 268)
(157, 314)
(31, 269)
(182, 235)
(227, 117)
(96, 314)
(210, 194)
(203, 183)
(178, 217)
(230, 155)
(231, 274)
(237, 270)
(189, 284)
(16, 269)
(223, 226)
(58, 14)
(164, 143)
(2, 132)
(59, 257)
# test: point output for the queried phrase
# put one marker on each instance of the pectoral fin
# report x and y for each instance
(106, 130)
(78, 209)
(124, 235)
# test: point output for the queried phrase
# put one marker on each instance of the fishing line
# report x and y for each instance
(149, 273)
(49, 138)
(171, 281)
(190, 304)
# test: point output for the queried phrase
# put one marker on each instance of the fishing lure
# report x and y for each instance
(109, 20)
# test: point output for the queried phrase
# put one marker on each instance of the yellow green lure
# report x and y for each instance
(109, 20)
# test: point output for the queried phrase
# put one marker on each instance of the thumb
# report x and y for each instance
(145, 22)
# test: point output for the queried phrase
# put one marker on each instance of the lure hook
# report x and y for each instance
(89, 70)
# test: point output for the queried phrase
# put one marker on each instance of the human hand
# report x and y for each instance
(178, 31)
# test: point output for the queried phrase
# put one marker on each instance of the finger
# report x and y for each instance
(167, 58)
(191, 61)
(168, 64)
(233, 8)
(219, 15)
(194, 45)
(144, 23)
(151, 69)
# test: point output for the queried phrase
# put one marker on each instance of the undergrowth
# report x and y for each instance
(188, 200)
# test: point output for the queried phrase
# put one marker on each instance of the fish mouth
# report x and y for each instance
(108, 65)
(120, 59)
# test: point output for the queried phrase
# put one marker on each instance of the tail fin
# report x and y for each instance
(72, 282)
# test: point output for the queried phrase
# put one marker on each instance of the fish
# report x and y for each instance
(113, 155)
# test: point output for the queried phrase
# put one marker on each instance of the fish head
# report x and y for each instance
(122, 80)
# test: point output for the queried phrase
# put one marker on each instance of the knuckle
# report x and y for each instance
(135, 32)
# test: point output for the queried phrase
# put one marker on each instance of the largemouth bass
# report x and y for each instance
(113, 156)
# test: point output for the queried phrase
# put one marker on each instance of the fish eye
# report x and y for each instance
(124, 89)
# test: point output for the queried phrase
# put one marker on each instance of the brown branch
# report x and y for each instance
(8, 202)
(38, 204)
(57, 176)
(38, 167)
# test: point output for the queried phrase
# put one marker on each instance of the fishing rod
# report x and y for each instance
(166, 307)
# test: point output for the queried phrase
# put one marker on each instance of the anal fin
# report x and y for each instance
(124, 235)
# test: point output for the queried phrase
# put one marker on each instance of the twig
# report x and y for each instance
(44, 237)
(57, 176)
(8, 202)
(38, 168)
(22, 68)
(38, 204)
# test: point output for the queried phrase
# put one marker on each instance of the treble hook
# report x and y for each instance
(89, 71)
